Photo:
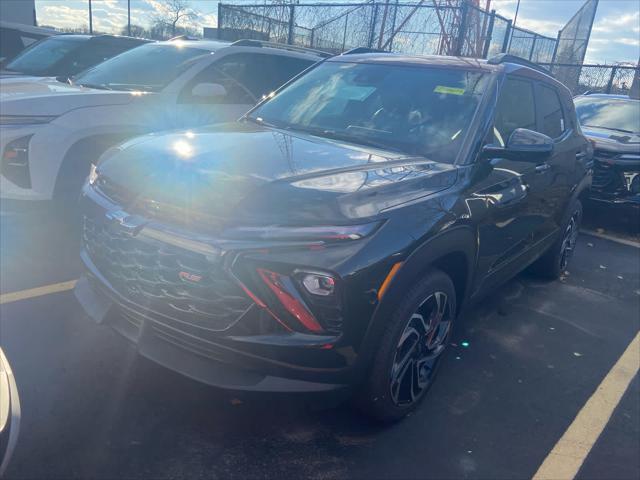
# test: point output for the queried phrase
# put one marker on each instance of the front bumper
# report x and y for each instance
(216, 345)
(616, 181)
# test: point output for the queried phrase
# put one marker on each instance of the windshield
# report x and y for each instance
(149, 68)
(43, 56)
(618, 114)
(414, 110)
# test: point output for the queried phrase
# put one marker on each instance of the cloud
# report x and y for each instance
(611, 24)
(543, 27)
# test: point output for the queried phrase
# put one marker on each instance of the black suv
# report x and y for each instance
(328, 240)
(612, 123)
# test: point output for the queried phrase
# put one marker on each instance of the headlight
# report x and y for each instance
(25, 119)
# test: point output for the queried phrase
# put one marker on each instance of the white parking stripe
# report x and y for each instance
(37, 292)
(568, 455)
(629, 243)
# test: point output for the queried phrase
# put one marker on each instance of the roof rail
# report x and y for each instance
(357, 50)
(263, 43)
(507, 58)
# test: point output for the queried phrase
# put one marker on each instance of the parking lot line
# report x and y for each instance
(612, 238)
(37, 292)
(568, 455)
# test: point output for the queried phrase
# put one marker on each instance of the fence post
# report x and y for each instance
(220, 21)
(533, 46)
(292, 11)
(507, 37)
(611, 78)
(374, 20)
(393, 24)
(344, 35)
(555, 49)
(463, 27)
(487, 38)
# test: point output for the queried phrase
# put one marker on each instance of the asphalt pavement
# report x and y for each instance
(535, 353)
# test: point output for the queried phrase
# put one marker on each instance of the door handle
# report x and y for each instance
(581, 155)
(543, 167)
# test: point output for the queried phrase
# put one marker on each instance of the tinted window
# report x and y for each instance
(617, 114)
(418, 111)
(10, 44)
(260, 73)
(41, 57)
(150, 67)
(89, 54)
(516, 109)
(236, 93)
(551, 114)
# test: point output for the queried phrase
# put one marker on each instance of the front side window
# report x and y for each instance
(515, 109)
(43, 56)
(150, 67)
(550, 112)
(616, 114)
(414, 110)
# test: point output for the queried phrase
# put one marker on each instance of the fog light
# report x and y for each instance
(316, 284)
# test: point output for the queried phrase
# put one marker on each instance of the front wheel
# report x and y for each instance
(410, 350)
(556, 260)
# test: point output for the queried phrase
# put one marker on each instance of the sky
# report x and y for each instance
(615, 36)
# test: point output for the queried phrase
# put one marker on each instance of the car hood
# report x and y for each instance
(46, 96)
(252, 174)
(612, 141)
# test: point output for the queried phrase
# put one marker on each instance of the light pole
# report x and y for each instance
(129, 17)
(513, 25)
(90, 19)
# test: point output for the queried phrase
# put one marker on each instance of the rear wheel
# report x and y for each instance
(557, 258)
(411, 348)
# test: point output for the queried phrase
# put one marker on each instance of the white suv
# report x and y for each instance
(51, 132)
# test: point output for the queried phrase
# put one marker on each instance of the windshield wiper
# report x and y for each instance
(610, 128)
(97, 86)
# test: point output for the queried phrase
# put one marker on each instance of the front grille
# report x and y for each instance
(605, 176)
(165, 279)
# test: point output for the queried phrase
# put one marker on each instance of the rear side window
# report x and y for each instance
(551, 115)
(261, 73)
(516, 109)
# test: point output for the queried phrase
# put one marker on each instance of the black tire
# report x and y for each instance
(555, 261)
(382, 398)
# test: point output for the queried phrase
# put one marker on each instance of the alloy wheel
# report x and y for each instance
(419, 349)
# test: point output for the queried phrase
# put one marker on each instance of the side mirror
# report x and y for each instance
(523, 145)
(208, 90)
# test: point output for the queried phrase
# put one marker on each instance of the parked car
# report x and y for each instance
(328, 240)
(67, 55)
(612, 123)
(15, 37)
(51, 132)
(9, 413)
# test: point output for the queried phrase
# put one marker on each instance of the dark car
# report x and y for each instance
(612, 123)
(15, 37)
(328, 240)
(66, 55)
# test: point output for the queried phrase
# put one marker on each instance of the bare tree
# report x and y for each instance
(173, 13)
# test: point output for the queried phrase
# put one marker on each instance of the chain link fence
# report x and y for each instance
(437, 27)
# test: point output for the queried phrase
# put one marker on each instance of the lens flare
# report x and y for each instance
(183, 148)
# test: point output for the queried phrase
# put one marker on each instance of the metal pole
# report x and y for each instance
(129, 17)
(384, 20)
(487, 40)
(220, 21)
(515, 17)
(507, 38)
(533, 46)
(90, 19)
(344, 35)
(372, 29)
(292, 10)
(463, 27)
(611, 78)
(393, 24)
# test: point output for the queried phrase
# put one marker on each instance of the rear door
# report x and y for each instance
(552, 185)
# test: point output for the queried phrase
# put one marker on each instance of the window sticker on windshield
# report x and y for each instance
(449, 90)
